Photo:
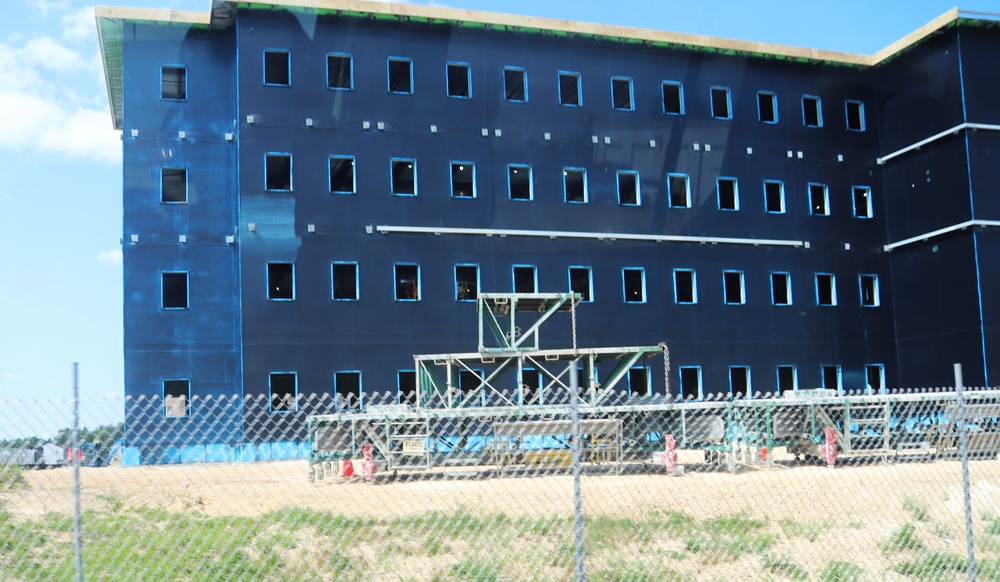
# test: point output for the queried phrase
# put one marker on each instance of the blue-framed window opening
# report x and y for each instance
(463, 180)
(340, 71)
(283, 391)
(466, 282)
(826, 289)
(343, 175)
(638, 381)
(781, 288)
(679, 190)
(774, 197)
(870, 296)
(173, 186)
(174, 292)
(347, 390)
(622, 98)
(400, 75)
(875, 379)
(406, 280)
(721, 101)
(854, 112)
(173, 83)
(634, 284)
(690, 387)
(819, 199)
(515, 85)
(277, 67)
(628, 188)
(740, 383)
(685, 286)
(673, 97)
(733, 288)
(281, 281)
(406, 387)
(531, 387)
(344, 284)
(812, 111)
(832, 377)
(525, 278)
(767, 107)
(177, 398)
(459, 80)
(519, 183)
(403, 176)
(728, 191)
(278, 172)
(575, 185)
(581, 280)
(570, 89)
(862, 196)
(787, 379)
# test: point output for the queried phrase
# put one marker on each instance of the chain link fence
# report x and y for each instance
(863, 487)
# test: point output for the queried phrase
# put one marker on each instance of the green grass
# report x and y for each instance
(783, 566)
(916, 508)
(837, 571)
(904, 538)
(811, 530)
(932, 566)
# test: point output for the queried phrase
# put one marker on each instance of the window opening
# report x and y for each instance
(173, 185)
(176, 398)
(685, 286)
(869, 291)
(781, 289)
(515, 84)
(621, 93)
(575, 185)
(519, 182)
(174, 290)
(345, 281)
(339, 71)
(407, 279)
(525, 279)
(767, 107)
(531, 381)
(463, 180)
(721, 103)
(787, 379)
(739, 381)
(278, 172)
(673, 98)
(283, 388)
(729, 193)
(404, 177)
(862, 201)
(638, 381)
(819, 200)
(628, 188)
(581, 281)
(277, 67)
(634, 281)
(459, 80)
(875, 376)
(826, 289)
(469, 381)
(173, 82)
(466, 282)
(812, 111)
(691, 383)
(774, 196)
(855, 115)
(281, 281)
(342, 176)
(406, 386)
(347, 389)
(678, 191)
(400, 75)
(569, 89)
(732, 284)
(832, 378)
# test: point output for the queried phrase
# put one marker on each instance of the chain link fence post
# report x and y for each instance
(577, 497)
(963, 451)
(75, 455)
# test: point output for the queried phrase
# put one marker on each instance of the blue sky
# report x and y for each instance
(60, 184)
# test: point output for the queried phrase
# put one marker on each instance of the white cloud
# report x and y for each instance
(79, 24)
(46, 6)
(112, 257)
(45, 52)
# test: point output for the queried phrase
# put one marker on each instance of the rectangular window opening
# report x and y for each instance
(400, 76)
(869, 291)
(284, 391)
(463, 180)
(678, 191)
(787, 379)
(173, 185)
(339, 71)
(628, 188)
(345, 281)
(855, 115)
(739, 381)
(281, 281)
(468, 381)
(581, 281)
(525, 279)
(407, 281)
(721, 103)
(732, 285)
(621, 93)
(774, 196)
(685, 287)
(575, 185)
(729, 193)
(466, 282)
(531, 381)
(406, 386)
(342, 175)
(831, 378)
(767, 107)
(173, 82)
(347, 389)
(638, 381)
(459, 80)
(826, 289)
(515, 85)
(176, 398)
(278, 172)
(812, 111)
(875, 378)
(781, 289)
(174, 290)
(404, 177)
(691, 383)
(634, 281)
(819, 200)
(569, 89)
(277, 67)
(519, 182)
(862, 201)
(673, 98)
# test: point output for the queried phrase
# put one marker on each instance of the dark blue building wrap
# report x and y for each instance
(807, 219)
